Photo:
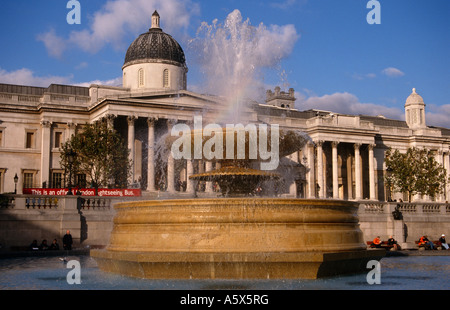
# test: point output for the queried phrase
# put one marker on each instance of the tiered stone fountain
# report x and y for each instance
(237, 236)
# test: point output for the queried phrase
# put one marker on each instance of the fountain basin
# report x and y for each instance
(235, 238)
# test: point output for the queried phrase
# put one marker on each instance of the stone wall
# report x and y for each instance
(417, 219)
(28, 218)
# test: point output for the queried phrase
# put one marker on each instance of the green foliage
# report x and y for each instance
(415, 172)
(101, 154)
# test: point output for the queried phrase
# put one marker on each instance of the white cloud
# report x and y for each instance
(438, 115)
(287, 4)
(112, 82)
(27, 77)
(82, 65)
(346, 103)
(361, 77)
(54, 44)
(392, 72)
(116, 19)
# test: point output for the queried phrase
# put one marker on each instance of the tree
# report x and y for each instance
(101, 154)
(415, 172)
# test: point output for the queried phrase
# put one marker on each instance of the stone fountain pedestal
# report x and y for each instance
(236, 238)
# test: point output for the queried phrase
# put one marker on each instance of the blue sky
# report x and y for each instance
(338, 61)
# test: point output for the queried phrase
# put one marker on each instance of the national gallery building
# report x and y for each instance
(344, 160)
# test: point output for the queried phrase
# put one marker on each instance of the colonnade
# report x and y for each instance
(317, 177)
(338, 170)
(171, 174)
(329, 183)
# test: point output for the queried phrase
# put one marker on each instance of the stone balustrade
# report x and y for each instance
(48, 98)
(414, 208)
(32, 202)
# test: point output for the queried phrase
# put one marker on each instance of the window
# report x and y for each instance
(141, 77)
(80, 180)
(57, 180)
(1, 137)
(29, 143)
(28, 180)
(58, 139)
(166, 78)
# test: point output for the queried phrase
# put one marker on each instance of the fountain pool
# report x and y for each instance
(49, 273)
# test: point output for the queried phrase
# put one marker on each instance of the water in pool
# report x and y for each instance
(51, 273)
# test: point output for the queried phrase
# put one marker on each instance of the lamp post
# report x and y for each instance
(16, 179)
(71, 159)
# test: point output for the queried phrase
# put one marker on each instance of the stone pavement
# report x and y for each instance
(418, 253)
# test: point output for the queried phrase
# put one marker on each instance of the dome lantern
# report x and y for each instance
(155, 20)
(415, 111)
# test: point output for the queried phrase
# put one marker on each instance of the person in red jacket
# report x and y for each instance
(423, 241)
(376, 243)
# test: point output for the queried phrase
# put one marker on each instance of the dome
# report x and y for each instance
(414, 98)
(155, 46)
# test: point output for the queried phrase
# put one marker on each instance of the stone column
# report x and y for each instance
(358, 195)
(371, 173)
(131, 145)
(209, 185)
(170, 163)
(319, 145)
(110, 121)
(310, 174)
(151, 155)
(190, 171)
(349, 160)
(447, 166)
(45, 153)
(335, 169)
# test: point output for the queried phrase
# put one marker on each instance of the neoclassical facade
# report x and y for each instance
(344, 160)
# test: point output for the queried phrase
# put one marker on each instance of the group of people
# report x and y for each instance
(423, 242)
(67, 244)
(44, 245)
(391, 242)
(429, 245)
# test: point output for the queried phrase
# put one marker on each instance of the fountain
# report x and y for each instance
(237, 235)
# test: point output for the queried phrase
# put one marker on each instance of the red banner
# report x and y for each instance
(84, 192)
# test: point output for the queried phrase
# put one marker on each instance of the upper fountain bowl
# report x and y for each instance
(241, 145)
